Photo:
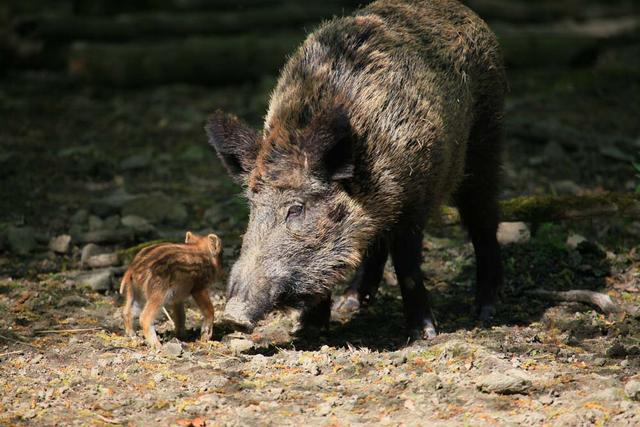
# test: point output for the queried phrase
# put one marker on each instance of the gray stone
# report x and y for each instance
(95, 223)
(103, 260)
(107, 236)
(513, 232)
(240, 345)
(73, 300)
(173, 348)
(90, 250)
(137, 161)
(60, 244)
(113, 203)
(632, 389)
(98, 280)
(80, 217)
(157, 208)
(567, 187)
(111, 223)
(510, 382)
(137, 223)
(21, 240)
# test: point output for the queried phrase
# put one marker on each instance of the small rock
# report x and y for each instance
(111, 223)
(158, 377)
(513, 232)
(574, 240)
(172, 348)
(60, 244)
(90, 250)
(599, 361)
(632, 389)
(137, 161)
(98, 280)
(156, 207)
(240, 345)
(510, 382)
(112, 203)
(21, 240)
(553, 153)
(95, 223)
(137, 223)
(103, 260)
(567, 187)
(546, 400)
(80, 217)
(107, 236)
(73, 300)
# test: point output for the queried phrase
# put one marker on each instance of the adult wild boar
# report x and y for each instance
(376, 119)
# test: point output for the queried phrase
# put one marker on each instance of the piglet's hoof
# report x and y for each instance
(346, 304)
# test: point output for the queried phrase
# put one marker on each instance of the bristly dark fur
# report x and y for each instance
(377, 119)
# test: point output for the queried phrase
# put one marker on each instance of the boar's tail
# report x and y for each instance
(126, 279)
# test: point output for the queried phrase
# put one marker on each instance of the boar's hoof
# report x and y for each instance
(346, 304)
(486, 313)
(426, 332)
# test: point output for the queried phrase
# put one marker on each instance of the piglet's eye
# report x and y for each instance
(295, 211)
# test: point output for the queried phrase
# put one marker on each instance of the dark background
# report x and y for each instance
(102, 108)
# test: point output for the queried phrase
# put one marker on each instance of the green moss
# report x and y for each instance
(539, 209)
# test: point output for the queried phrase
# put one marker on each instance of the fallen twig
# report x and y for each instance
(65, 331)
(166, 313)
(602, 301)
(19, 342)
(12, 352)
(109, 420)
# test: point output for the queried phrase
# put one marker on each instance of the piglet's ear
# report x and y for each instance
(235, 142)
(215, 245)
(330, 145)
(188, 237)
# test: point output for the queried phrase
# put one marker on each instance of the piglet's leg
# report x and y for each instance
(179, 319)
(204, 303)
(148, 317)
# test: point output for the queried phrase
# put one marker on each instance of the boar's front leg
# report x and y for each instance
(316, 315)
(406, 252)
(363, 287)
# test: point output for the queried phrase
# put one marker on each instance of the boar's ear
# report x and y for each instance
(330, 148)
(188, 237)
(235, 142)
(215, 245)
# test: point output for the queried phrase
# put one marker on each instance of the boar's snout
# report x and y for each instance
(236, 314)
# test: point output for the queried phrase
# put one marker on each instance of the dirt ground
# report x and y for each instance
(114, 168)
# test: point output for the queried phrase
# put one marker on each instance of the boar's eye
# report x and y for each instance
(295, 211)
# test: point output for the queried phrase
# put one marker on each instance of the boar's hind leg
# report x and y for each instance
(477, 202)
(364, 285)
(406, 252)
(204, 303)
